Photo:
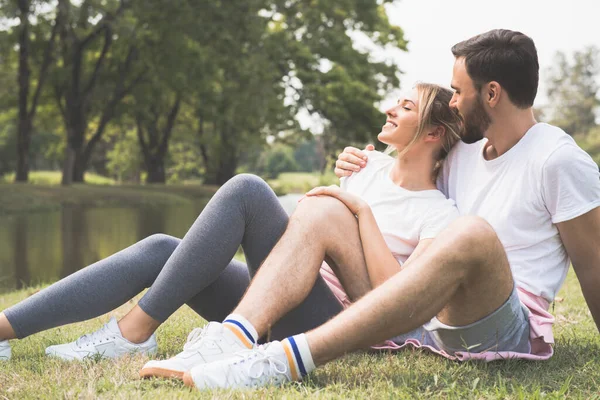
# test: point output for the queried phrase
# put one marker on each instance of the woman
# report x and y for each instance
(198, 270)
(399, 212)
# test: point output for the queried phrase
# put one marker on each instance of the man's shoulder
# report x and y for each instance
(546, 138)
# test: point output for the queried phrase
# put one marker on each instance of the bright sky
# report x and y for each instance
(433, 26)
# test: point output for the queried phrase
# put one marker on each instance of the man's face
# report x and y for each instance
(467, 100)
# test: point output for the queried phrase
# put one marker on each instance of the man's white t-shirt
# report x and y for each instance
(403, 216)
(541, 181)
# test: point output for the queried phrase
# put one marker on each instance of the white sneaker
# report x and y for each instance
(261, 366)
(204, 345)
(4, 350)
(105, 342)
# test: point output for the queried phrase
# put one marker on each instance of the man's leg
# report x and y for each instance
(320, 228)
(462, 277)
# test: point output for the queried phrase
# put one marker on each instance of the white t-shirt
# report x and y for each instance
(403, 216)
(543, 180)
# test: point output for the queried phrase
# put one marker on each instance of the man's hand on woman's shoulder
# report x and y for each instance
(351, 160)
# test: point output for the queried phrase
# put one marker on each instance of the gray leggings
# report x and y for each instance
(197, 270)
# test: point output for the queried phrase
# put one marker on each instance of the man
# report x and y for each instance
(529, 199)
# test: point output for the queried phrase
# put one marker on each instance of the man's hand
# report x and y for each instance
(354, 203)
(351, 160)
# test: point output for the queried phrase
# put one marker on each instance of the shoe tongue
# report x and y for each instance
(113, 326)
(213, 328)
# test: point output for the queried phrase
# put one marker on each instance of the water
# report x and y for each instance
(45, 247)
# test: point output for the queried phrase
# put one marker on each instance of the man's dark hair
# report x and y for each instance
(507, 57)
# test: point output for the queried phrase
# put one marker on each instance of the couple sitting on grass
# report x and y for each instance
(460, 255)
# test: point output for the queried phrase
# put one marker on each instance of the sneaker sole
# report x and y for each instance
(154, 372)
(187, 380)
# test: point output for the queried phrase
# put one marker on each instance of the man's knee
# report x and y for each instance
(473, 240)
(472, 231)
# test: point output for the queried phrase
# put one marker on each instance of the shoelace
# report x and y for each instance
(196, 338)
(269, 365)
(92, 337)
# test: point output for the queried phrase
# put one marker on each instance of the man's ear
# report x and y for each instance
(492, 93)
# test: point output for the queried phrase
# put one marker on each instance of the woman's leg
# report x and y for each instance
(91, 291)
(244, 211)
(196, 269)
(265, 222)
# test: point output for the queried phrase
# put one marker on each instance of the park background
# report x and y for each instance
(119, 119)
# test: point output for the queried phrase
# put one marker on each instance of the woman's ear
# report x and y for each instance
(436, 133)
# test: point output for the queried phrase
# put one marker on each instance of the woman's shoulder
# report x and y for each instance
(438, 202)
(376, 163)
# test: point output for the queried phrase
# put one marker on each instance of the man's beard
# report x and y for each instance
(477, 121)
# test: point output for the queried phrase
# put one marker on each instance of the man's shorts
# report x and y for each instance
(506, 329)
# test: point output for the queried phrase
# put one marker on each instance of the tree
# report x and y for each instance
(89, 86)
(292, 55)
(154, 139)
(124, 159)
(32, 39)
(573, 90)
(330, 75)
(275, 160)
(590, 142)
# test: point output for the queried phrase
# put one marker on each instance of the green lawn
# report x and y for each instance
(574, 371)
(301, 182)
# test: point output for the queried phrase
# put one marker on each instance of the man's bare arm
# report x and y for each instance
(581, 237)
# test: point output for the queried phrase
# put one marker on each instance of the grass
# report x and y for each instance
(574, 371)
(54, 178)
(301, 182)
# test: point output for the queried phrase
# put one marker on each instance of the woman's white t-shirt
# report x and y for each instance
(543, 180)
(403, 216)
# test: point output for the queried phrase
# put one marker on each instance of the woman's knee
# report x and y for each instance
(246, 184)
(161, 243)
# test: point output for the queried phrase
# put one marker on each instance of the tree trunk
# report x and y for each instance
(79, 167)
(24, 126)
(23, 143)
(68, 166)
(227, 168)
(156, 170)
(155, 148)
(226, 164)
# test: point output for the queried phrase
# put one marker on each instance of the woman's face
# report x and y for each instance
(402, 121)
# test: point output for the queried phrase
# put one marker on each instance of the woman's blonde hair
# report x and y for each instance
(434, 110)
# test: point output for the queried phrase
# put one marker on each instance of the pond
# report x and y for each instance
(45, 247)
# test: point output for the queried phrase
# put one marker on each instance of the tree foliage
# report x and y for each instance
(220, 75)
(573, 90)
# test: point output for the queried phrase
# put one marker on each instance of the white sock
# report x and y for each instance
(299, 356)
(242, 328)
